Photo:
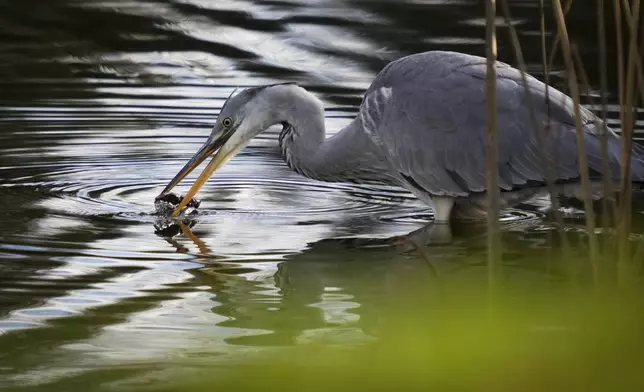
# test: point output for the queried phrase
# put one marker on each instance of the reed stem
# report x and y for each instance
(581, 149)
(492, 156)
(628, 124)
(549, 170)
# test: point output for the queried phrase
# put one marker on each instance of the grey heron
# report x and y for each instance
(421, 125)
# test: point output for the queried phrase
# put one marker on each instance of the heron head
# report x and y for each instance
(242, 117)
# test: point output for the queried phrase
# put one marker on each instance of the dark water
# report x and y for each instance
(102, 102)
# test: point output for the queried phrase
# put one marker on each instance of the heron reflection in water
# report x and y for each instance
(422, 125)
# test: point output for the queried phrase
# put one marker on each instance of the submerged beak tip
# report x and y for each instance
(221, 155)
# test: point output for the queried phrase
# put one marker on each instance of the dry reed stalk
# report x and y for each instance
(602, 271)
(581, 149)
(628, 123)
(549, 172)
(609, 187)
(492, 155)
(546, 72)
(638, 57)
(557, 39)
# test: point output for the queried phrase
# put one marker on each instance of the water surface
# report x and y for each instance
(102, 103)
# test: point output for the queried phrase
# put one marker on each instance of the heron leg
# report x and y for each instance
(442, 209)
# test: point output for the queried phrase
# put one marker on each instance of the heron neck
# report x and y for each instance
(347, 156)
(300, 142)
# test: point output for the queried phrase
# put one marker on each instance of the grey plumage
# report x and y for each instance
(427, 113)
(422, 126)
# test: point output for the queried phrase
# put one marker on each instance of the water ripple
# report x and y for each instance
(96, 121)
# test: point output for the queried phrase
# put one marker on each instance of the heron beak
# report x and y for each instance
(222, 153)
(209, 148)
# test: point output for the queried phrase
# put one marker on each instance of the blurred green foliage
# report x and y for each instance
(545, 340)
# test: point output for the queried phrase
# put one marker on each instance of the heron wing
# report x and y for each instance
(427, 114)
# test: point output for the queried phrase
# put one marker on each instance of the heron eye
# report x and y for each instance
(227, 122)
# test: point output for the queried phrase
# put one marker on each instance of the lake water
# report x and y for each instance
(102, 102)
